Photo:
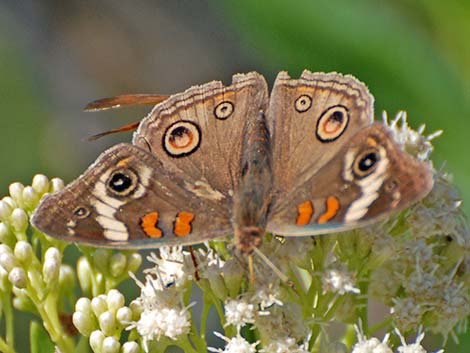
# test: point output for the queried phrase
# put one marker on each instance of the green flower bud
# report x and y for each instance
(134, 261)
(96, 341)
(5, 210)
(107, 322)
(101, 260)
(117, 264)
(19, 220)
(16, 192)
(24, 252)
(57, 184)
(124, 315)
(5, 235)
(18, 277)
(40, 184)
(23, 303)
(136, 309)
(111, 345)
(30, 197)
(66, 277)
(83, 322)
(51, 266)
(233, 274)
(115, 300)
(130, 347)
(84, 274)
(99, 305)
(217, 284)
(5, 285)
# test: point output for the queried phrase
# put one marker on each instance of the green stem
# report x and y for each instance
(9, 320)
(384, 323)
(349, 336)
(6, 348)
(186, 345)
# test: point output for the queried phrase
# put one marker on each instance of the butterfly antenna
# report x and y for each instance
(273, 267)
(194, 259)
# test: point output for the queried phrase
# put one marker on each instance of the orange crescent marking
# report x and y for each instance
(149, 225)
(332, 207)
(123, 162)
(304, 213)
(183, 223)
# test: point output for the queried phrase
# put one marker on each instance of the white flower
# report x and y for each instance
(239, 312)
(372, 345)
(170, 266)
(235, 344)
(339, 280)
(415, 347)
(285, 345)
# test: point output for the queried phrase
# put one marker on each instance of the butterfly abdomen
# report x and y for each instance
(252, 199)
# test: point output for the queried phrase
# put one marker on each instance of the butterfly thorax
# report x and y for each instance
(253, 197)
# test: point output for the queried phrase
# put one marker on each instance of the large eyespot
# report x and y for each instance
(181, 139)
(122, 182)
(303, 103)
(365, 163)
(223, 110)
(81, 212)
(332, 123)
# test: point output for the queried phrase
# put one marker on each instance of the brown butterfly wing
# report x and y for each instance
(310, 119)
(369, 178)
(198, 134)
(128, 199)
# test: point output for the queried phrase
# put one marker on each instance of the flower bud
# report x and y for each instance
(40, 184)
(96, 341)
(19, 220)
(115, 300)
(124, 315)
(57, 184)
(66, 277)
(5, 210)
(18, 277)
(101, 260)
(134, 260)
(111, 345)
(130, 347)
(24, 252)
(30, 197)
(5, 234)
(16, 192)
(233, 274)
(23, 303)
(99, 305)
(84, 305)
(5, 284)
(107, 323)
(7, 260)
(136, 309)
(117, 264)
(84, 274)
(83, 322)
(51, 266)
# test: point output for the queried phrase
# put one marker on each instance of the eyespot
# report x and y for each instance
(332, 123)
(365, 163)
(181, 139)
(223, 110)
(303, 103)
(81, 212)
(122, 182)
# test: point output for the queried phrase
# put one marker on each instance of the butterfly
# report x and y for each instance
(216, 160)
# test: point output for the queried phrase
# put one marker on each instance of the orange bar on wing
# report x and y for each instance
(332, 207)
(149, 225)
(183, 223)
(304, 213)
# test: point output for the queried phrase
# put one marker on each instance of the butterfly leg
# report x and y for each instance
(195, 263)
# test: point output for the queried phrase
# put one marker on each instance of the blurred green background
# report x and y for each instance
(57, 56)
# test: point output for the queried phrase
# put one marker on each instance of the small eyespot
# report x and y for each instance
(332, 123)
(81, 212)
(366, 163)
(223, 110)
(181, 139)
(303, 103)
(122, 182)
